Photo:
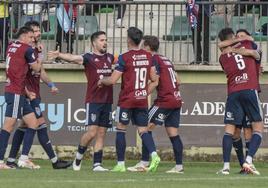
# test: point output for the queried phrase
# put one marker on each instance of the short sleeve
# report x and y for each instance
(30, 56)
(86, 58)
(120, 65)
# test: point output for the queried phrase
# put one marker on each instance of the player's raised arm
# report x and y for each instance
(247, 52)
(78, 59)
(111, 80)
(229, 42)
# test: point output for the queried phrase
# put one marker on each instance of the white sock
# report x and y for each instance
(2, 162)
(153, 153)
(11, 160)
(96, 164)
(121, 162)
(179, 166)
(226, 165)
(24, 157)
(79, 156)
(249, 159)
(54, 159)
(145, 163)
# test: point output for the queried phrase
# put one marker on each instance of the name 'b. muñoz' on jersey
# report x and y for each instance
(19, 56)
(96, 68)
(168, 94)
(135, 66)
(240, 70)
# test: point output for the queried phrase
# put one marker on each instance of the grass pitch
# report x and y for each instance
(197, 175)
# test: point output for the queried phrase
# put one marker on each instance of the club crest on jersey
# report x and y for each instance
(37, 111)
(96, 59)
(93, 117)
(105, 66)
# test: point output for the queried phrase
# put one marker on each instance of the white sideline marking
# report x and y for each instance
(158, 179)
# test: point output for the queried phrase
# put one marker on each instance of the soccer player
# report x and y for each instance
(166, 108)
(136, 69)
(242, 35)
(243, 100)
(33, 94)
(98, 100)
(20, 55)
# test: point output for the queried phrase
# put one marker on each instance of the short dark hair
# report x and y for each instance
(224, 33)
(24, 30)
(135, 35)
(152, 42)
(243, 30)
(95, 35)
(32, 24)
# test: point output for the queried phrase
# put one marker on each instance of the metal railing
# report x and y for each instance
(165, 19)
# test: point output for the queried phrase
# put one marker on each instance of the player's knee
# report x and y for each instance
(237, 134)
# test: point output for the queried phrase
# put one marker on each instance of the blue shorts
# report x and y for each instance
(240, 104)
(138, 116)
(17, 106)
(245, 123)
(168, 117)
(99, 114)
(35, 104)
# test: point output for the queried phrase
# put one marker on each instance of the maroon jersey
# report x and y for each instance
(241, 71)
(33, 79)
(19, 56)
(135, 66)
(168, 94)
(97, 67)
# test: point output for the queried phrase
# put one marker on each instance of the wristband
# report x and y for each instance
(51, 84)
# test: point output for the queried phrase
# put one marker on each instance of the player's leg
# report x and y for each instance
(252, 107)
(104, 123)
(98, 150)
(172, 123)
(16, 143)
(122, 118)
(238, 145)
(14, 103)
(247, 136)
(140, 119)
(233, 116)
(32, 124)
(43, 138)
(145, 155)
(92, 120)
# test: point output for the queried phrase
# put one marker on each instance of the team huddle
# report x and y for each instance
(141, 70)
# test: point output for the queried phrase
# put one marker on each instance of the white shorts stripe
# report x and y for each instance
(152, 112)
(16, 106)
(259, 104)
(87, 112)
(117, 114)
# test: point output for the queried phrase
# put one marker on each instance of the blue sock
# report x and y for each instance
(16, 142)
(4, 136)
(177, 148)
(97, 158)
(120, 143)
(80, 153)
(255, 143)
(145, 155)
(247, 146)
(148, 141)
(227, 143)
(238, 146)
(45, 142)
(28, 141)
